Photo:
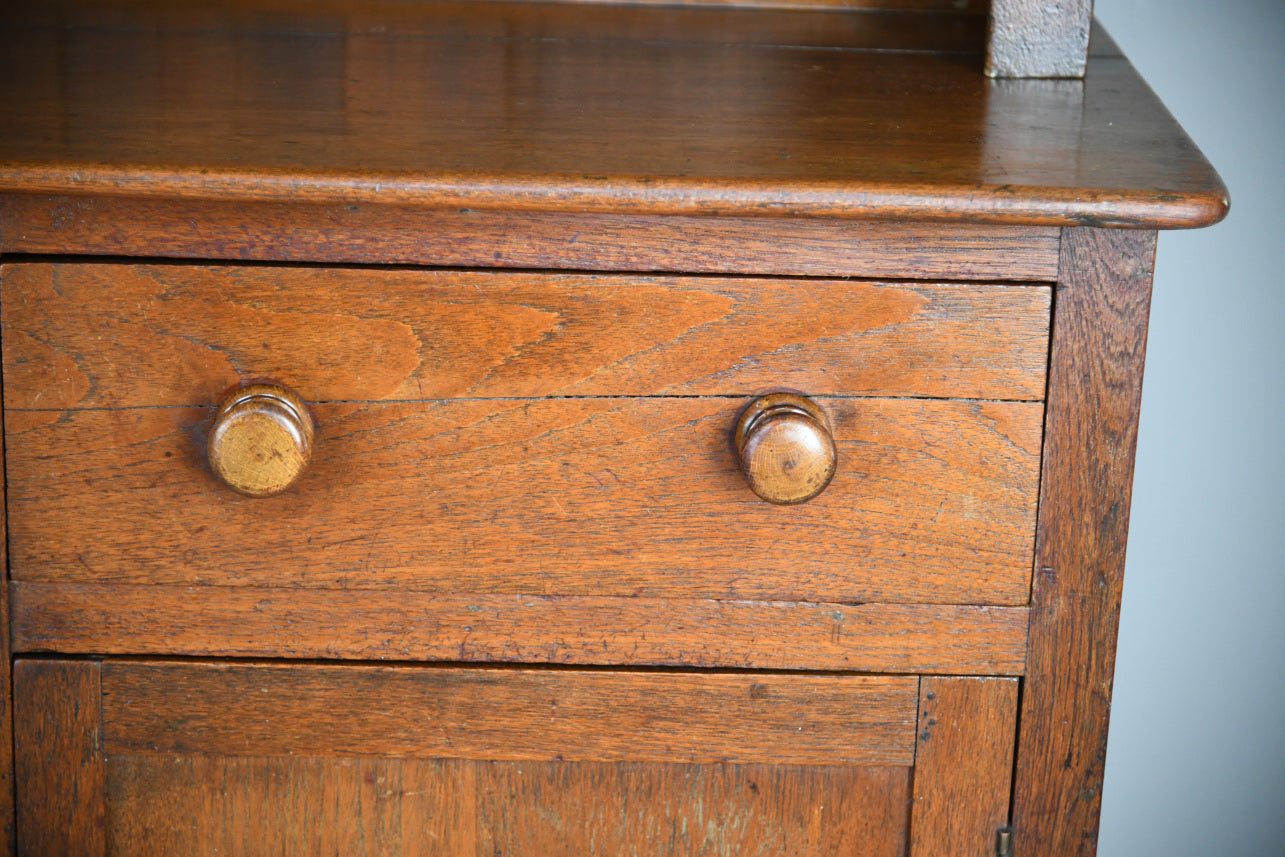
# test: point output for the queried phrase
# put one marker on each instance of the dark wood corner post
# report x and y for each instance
(8, 843)
(1030, 39)
(1091, 429)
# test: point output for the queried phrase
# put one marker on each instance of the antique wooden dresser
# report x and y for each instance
(522, 428)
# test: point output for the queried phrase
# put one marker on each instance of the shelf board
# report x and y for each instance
(585, 108)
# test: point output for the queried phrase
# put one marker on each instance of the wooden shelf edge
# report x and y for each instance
(624, 195)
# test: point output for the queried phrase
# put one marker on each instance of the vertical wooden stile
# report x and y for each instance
(963, 764)
(58, 759)
(7, 841)
(1091, 428)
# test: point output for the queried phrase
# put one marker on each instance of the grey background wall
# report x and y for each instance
(1196, 758)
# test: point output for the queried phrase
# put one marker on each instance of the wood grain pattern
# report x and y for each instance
(495, 714)
(935, 502)
(119, 335)
(82, 618)
(1036, 38)
(785, 447)
(584, 125)
(878, 24)
(260, 440)
(202, 806)
(8, 841)
(1099, 340)
(963, 765)
(374, 233)
(59, 759)
(346, 16)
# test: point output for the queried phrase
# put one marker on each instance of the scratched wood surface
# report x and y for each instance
(505, 713)
(963, 765)
(58, 759)
(594, 120)
(933, 502)
(1095, 391)
(121, 335)
(246, 757)
(170, 758)
(245, 621)
(204, 806)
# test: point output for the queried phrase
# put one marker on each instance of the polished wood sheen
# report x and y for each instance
(528, 264)
(346, 16)
(559, 122)
(621, 496)
(871, 24)
(246, 621)
(786, 448)
(360, 335)
(261, 440)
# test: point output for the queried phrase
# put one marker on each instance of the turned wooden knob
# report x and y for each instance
(787, 452)
(261, 440)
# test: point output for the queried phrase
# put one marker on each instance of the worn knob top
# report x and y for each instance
(787, 451)
(261, 440)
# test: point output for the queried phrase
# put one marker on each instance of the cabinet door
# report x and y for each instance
(132, 757)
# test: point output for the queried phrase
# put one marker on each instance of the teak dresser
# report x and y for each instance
(521, 428)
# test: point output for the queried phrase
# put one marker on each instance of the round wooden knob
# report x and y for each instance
(261, 440)
(787, 452)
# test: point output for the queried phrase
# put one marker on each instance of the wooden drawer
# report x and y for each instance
(208, 758)
(515, 435)
(104, 336)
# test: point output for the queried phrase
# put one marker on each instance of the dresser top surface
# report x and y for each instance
(583, 108)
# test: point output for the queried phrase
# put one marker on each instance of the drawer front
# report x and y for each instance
(138, 757)
(932, 502)
(129, 336)
(511, 434)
